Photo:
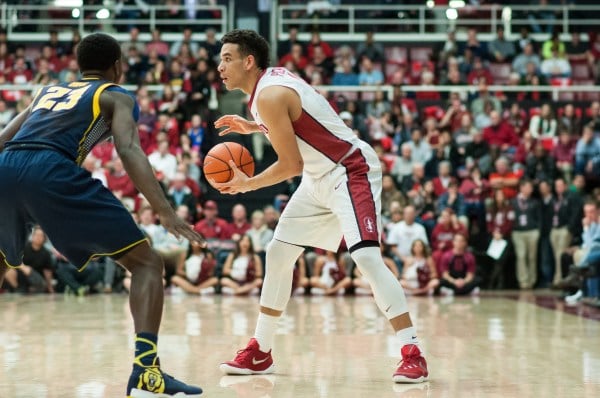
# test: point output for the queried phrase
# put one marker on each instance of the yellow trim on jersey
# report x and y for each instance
(7, 263)
(95, 255)
(37, 94)
(95, 114)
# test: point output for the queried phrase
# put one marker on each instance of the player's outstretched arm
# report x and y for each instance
(278, 106)
(236, 124)
(119, 108)
(9, 131)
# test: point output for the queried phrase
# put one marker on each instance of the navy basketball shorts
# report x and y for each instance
(81, 217)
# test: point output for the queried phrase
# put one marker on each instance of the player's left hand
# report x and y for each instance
(179, 228)
(238, 184)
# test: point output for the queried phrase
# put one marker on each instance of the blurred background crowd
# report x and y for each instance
(482, 189)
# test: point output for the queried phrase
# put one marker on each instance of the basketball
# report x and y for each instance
(216, 163)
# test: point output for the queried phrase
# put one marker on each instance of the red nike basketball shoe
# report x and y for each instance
(413, 367)
(249, 361)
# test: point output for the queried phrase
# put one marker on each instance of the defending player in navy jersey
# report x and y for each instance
(339, 196)
(41, 181)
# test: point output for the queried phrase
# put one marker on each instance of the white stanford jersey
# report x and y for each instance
(322, 136)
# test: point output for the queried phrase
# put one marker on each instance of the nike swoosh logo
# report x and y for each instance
(255, 362)
(388, 308)
(337, 186)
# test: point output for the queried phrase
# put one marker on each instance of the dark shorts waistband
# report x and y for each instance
(36, 146)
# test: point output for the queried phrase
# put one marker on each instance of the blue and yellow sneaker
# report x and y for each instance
(151, 382)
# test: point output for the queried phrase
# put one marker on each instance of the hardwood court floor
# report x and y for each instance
(493, 346)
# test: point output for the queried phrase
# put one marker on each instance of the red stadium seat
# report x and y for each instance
(586, 95)
(500, 72)
(416, 67)
(390, 69)
(580, 71)
(563, 82)
(548, 143)
(421, 53)
(534, 111)
(561, 111)
(560, 81)
(589, 96)
(583, 82)
(395, 54)
(434, 111)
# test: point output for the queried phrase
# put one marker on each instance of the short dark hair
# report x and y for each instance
(525, 181)
(249, 43)
(98, 51)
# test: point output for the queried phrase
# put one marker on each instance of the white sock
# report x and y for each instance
(408, 336)
(265, 331)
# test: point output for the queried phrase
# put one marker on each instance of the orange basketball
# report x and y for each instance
(216, 163)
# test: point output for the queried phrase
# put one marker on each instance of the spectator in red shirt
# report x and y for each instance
(295, 56)
(525, 147)
(168, 125)
(500, 217)
(104, 151)
(505, 179)
(517, 118)
(161, 47)
(315, 41)
(500, 134)
(20, 74)
(239, 224)
(54, 63)
(442, 181)
(213, 227)
(457, 270)
(479, 73)
(564, 153)
(118, 180)
(443, 234)
(454, 115)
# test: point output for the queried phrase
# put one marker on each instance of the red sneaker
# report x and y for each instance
(249, 361)
(413, 367)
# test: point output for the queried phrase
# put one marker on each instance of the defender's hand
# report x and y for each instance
(180, 228)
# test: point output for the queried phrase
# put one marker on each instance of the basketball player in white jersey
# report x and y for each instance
(339, 196)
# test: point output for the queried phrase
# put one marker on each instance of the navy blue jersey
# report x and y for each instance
(67, 117)
(40, 167)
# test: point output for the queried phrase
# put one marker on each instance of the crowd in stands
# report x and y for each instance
(478, 191)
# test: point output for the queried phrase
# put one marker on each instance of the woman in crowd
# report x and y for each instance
(419, 276)
(330, 276)
(197, 276)
(500, 217)
(242, 271)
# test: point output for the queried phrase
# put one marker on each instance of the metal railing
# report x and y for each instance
(32, 23)
(555, 91)
(418, 23)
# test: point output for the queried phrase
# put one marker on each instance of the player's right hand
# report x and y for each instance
(235, 124)
(180, 228)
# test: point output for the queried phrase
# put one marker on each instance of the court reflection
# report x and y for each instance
(57, 347)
